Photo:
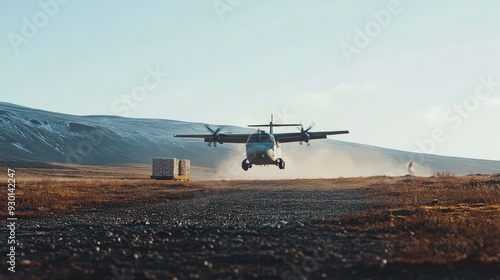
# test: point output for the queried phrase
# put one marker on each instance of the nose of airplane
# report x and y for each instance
(251, 154)
(259, 152)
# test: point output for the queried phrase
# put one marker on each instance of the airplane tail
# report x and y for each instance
(271, 125)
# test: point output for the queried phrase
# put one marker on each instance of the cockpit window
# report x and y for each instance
(260, 138)
(253, 139)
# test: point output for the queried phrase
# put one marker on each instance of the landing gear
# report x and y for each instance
(280, 163)
(245, 164)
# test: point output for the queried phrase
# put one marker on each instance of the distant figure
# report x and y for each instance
(410, 169)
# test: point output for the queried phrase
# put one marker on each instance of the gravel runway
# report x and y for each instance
(235, 233)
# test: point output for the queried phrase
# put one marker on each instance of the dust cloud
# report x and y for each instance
(318, 161)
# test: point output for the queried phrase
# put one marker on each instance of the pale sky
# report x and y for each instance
(418, 76)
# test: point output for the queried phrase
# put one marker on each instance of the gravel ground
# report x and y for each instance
(225, 234)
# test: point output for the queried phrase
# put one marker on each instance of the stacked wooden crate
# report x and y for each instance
(184, 167)
(170, 169)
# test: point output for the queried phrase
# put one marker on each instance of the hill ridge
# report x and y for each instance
(37, 135)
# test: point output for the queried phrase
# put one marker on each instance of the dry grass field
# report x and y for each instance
(439, 220)
(42, 191)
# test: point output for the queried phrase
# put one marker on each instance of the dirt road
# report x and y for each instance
(259, 231)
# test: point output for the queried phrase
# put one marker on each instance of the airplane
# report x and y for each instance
(263, 148)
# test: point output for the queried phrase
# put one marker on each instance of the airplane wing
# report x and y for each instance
(220, 138)
(298, 137)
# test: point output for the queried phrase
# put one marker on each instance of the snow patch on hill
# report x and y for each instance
(36, 135)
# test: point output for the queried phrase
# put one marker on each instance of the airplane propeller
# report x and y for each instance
(215, 136)
(305, 135)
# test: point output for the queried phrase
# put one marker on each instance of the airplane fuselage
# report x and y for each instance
(262, 149)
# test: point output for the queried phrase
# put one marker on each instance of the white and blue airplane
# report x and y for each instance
(263, 148)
